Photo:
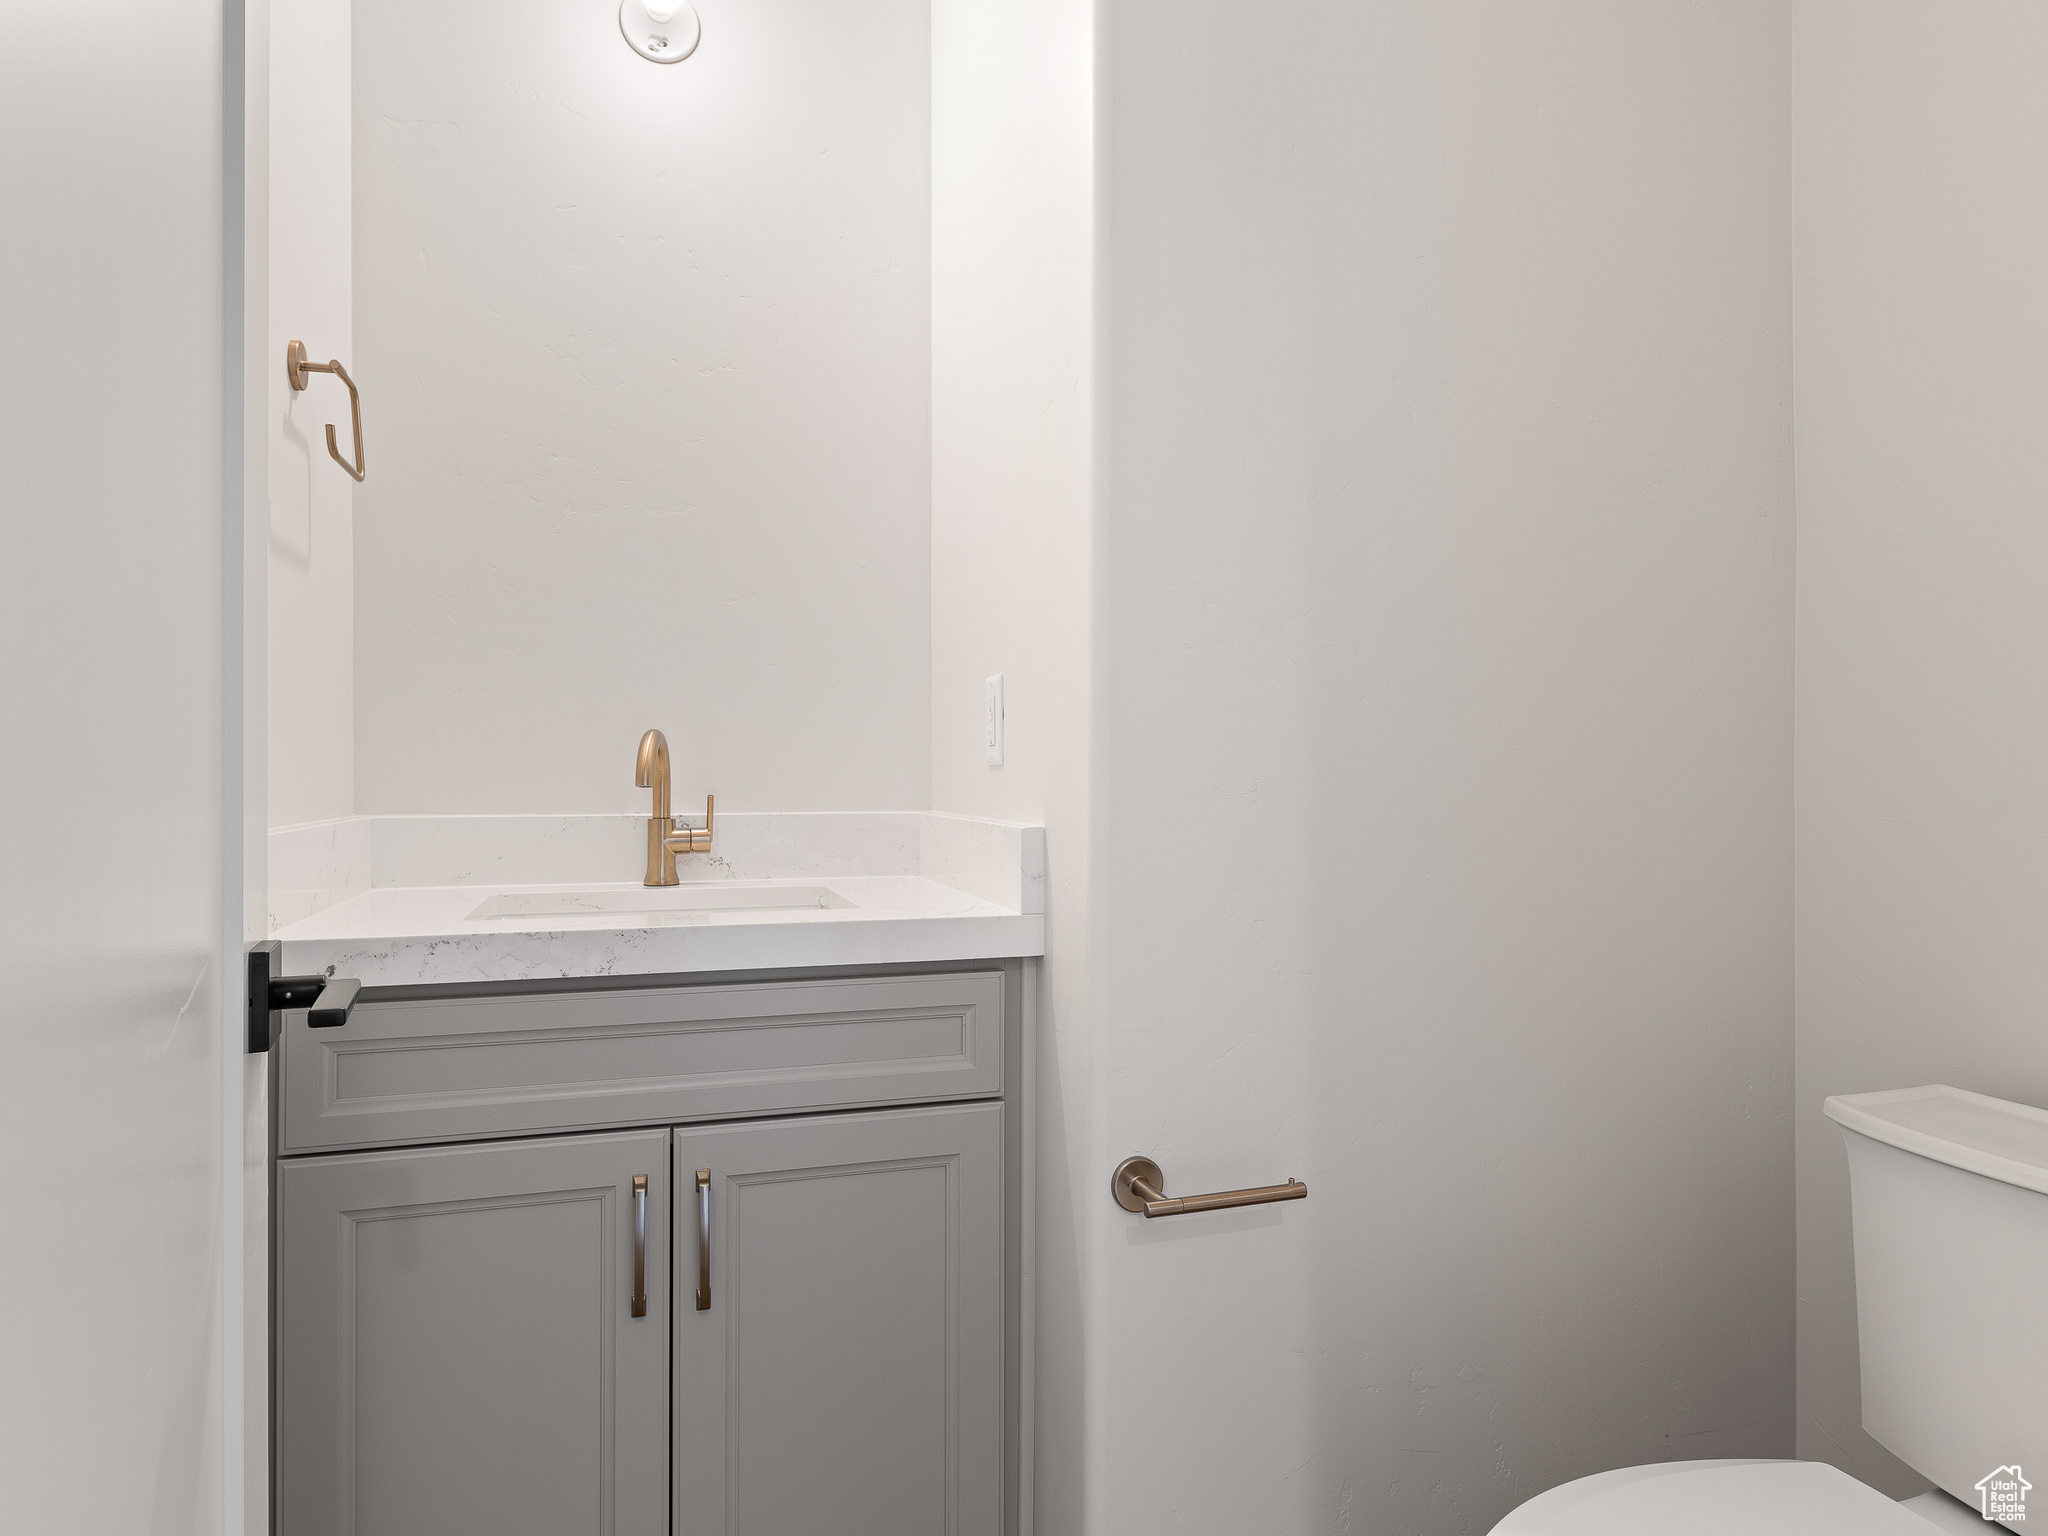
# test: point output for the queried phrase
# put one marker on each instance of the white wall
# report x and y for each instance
(111, 786)
(1444, 761)
(1921, 145)
(1013, 588)
(645, 355)
(312, 519)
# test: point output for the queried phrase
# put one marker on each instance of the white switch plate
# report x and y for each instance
(992, 720)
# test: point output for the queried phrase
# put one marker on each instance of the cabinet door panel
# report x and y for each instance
(847, 1376)
(457, 1351)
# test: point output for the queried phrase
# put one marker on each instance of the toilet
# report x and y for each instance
(1948, 1197)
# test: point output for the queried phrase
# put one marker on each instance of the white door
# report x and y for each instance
(121, 783)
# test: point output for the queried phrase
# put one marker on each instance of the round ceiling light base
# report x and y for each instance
(664, 41)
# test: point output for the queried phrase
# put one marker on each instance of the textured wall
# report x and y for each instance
(1445, 794)
(645, 359)
(1921, 142)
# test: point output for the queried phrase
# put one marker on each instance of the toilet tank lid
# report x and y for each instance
(1971, 1131)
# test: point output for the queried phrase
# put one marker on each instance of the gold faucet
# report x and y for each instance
(664, 838)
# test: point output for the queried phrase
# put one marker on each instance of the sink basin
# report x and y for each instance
(656, 902)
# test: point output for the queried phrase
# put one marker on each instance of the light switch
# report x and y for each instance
(992, 720)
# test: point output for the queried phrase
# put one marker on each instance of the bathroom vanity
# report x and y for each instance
(580, 1226)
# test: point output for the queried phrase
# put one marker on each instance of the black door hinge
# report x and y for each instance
(328, 1000)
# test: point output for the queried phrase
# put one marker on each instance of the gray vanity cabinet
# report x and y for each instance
(457, 1346)
(839, 1346)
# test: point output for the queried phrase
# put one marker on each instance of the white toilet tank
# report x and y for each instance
(1949, 1197)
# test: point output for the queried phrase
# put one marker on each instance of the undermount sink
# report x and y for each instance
(659, 901)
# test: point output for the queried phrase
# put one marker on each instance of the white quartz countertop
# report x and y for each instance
(422, 901)
(425, 935)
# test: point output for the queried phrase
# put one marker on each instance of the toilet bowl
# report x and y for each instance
(1949, 1206)
(1720, 1498)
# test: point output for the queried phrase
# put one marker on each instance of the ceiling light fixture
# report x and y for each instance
(665, 31)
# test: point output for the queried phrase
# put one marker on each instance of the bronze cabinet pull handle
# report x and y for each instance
(639, 1245)
(703, 1239)
(296, 367)
(1139, 1186)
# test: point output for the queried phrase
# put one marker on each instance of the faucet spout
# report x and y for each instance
(664, 840)
(650, 770)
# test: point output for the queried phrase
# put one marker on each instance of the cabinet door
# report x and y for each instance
(846, 1375)
(457, 1350)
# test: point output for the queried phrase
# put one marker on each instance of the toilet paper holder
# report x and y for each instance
(1139, 1185)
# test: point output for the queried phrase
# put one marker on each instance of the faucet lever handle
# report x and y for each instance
(684, 839)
